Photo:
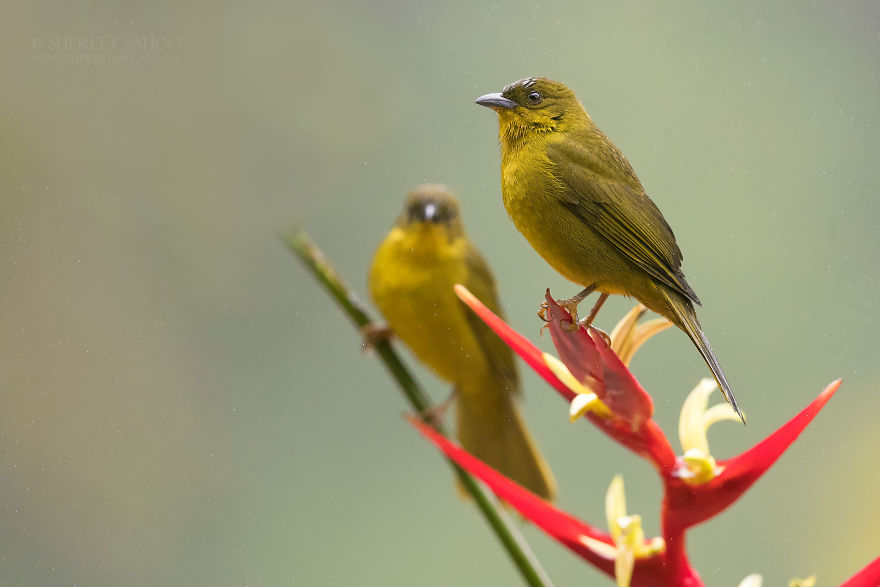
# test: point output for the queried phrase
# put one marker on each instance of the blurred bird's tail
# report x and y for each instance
(686, 319)
(490, 427)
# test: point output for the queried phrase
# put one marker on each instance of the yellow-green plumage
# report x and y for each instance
(411, 281)
(579, 203)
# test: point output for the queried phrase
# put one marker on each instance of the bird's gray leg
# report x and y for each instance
(569, 304)
(592, 315)
(435, 414)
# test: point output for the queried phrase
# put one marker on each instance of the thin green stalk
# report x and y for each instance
(308, 252)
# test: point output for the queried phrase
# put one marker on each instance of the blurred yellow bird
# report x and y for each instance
(411, 281)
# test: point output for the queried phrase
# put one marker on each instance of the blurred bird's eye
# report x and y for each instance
(534, 98)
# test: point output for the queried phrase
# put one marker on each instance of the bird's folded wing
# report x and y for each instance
(480, 283)
(622, 214)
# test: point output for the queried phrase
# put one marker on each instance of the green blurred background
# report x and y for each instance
(180, 404)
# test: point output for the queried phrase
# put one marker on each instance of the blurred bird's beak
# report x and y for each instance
(496, 102)
(430, 213)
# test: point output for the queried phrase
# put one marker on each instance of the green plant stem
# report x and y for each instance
(308, 252)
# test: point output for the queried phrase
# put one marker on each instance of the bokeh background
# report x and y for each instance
(180, 404)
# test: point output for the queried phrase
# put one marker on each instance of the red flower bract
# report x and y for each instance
(588, 357)
(640, 435)
(556, 523)
(867, 577)
(685, 504)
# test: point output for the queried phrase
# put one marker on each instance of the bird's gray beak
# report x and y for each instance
(496, 102)
(430, 213)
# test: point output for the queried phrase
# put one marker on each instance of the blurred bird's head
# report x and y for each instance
(431, 209)
(534, 104)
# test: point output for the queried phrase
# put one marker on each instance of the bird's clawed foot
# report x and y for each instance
(604, 335)
(373, 334)
(571, 304)
(434, 415)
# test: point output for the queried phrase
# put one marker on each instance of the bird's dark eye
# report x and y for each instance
(534, 98)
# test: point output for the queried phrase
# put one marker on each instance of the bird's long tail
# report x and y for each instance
(490, 427)
(687, 321)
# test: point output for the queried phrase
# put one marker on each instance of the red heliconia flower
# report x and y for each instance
(593, 376)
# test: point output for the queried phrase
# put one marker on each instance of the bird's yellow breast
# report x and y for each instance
(411, 281)
(531, 189)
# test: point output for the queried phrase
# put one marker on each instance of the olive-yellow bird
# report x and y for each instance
(577, 200)
(411, 281)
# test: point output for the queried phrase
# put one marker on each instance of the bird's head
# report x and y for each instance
(431, 209)
(535, 104)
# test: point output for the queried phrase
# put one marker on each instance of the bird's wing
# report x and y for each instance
(621, 213)
(480, 283)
